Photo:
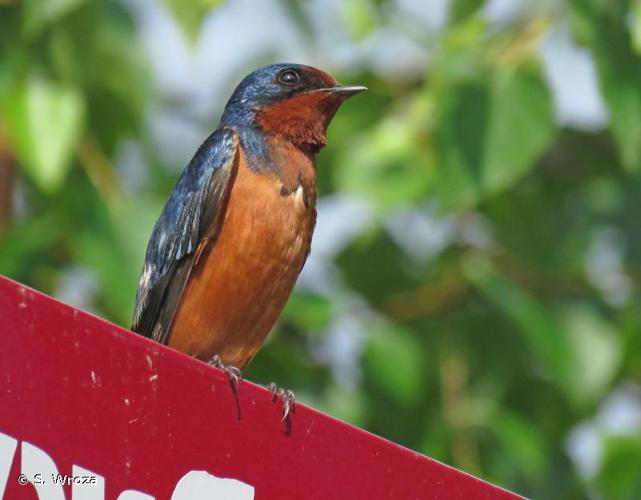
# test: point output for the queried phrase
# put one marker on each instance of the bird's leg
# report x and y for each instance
(289, 401)
(233, 374)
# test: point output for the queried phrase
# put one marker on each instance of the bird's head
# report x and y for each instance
(292, 102)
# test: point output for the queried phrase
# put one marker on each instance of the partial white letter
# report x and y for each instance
(201, 485)
(7, 451)
(35, 461)
(134, 495)
(89, 491)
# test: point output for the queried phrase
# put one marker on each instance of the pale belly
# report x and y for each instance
(238, 289)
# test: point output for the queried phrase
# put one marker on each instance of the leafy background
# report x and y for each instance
(474, 286)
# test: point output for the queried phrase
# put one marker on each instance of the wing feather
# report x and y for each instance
(194, 210)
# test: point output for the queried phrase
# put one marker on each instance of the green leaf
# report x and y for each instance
(393, 360)
(360, 17)
(636, 27)
(540, 327)
(619, 477)
(490, 134)
(388, 166)
(581, 18)
(311, 312)
(596, 352)
(522, 442)
(575, 345)
(460, 139)
(605, 25)
(460, 9)
(113, 247)
(620, 82)
(109, 66)
(27, 245)
(37, 14)
(520, 127)
(191, 14)
(44, 122)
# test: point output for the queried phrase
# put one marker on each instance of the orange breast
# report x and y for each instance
(240, 286)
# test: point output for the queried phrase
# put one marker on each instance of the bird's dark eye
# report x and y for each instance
(289, 77)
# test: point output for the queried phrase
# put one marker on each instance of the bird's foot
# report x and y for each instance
(233, 374)
(289, 401)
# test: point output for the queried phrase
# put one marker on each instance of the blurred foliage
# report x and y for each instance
(485, 353)
(190, 14)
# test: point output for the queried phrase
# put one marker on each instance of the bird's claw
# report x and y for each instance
(233, 374)
(289, 401)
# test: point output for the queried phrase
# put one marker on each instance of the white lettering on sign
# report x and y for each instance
(39, 469)
(37, 466)
(7, 450)
(134, 495)
(197, 485)
(89, 486)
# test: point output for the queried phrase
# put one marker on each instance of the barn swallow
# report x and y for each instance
(231, 240)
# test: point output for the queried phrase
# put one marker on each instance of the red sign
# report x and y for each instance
(89, 410)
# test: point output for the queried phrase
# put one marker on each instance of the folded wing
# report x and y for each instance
(195, 210)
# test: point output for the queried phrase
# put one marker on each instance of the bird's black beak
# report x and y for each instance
(345, 91)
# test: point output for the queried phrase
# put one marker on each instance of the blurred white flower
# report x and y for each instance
(570, 72)
(619, 414)
(604, 266)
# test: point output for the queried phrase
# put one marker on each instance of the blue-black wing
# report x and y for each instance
(194, 210)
